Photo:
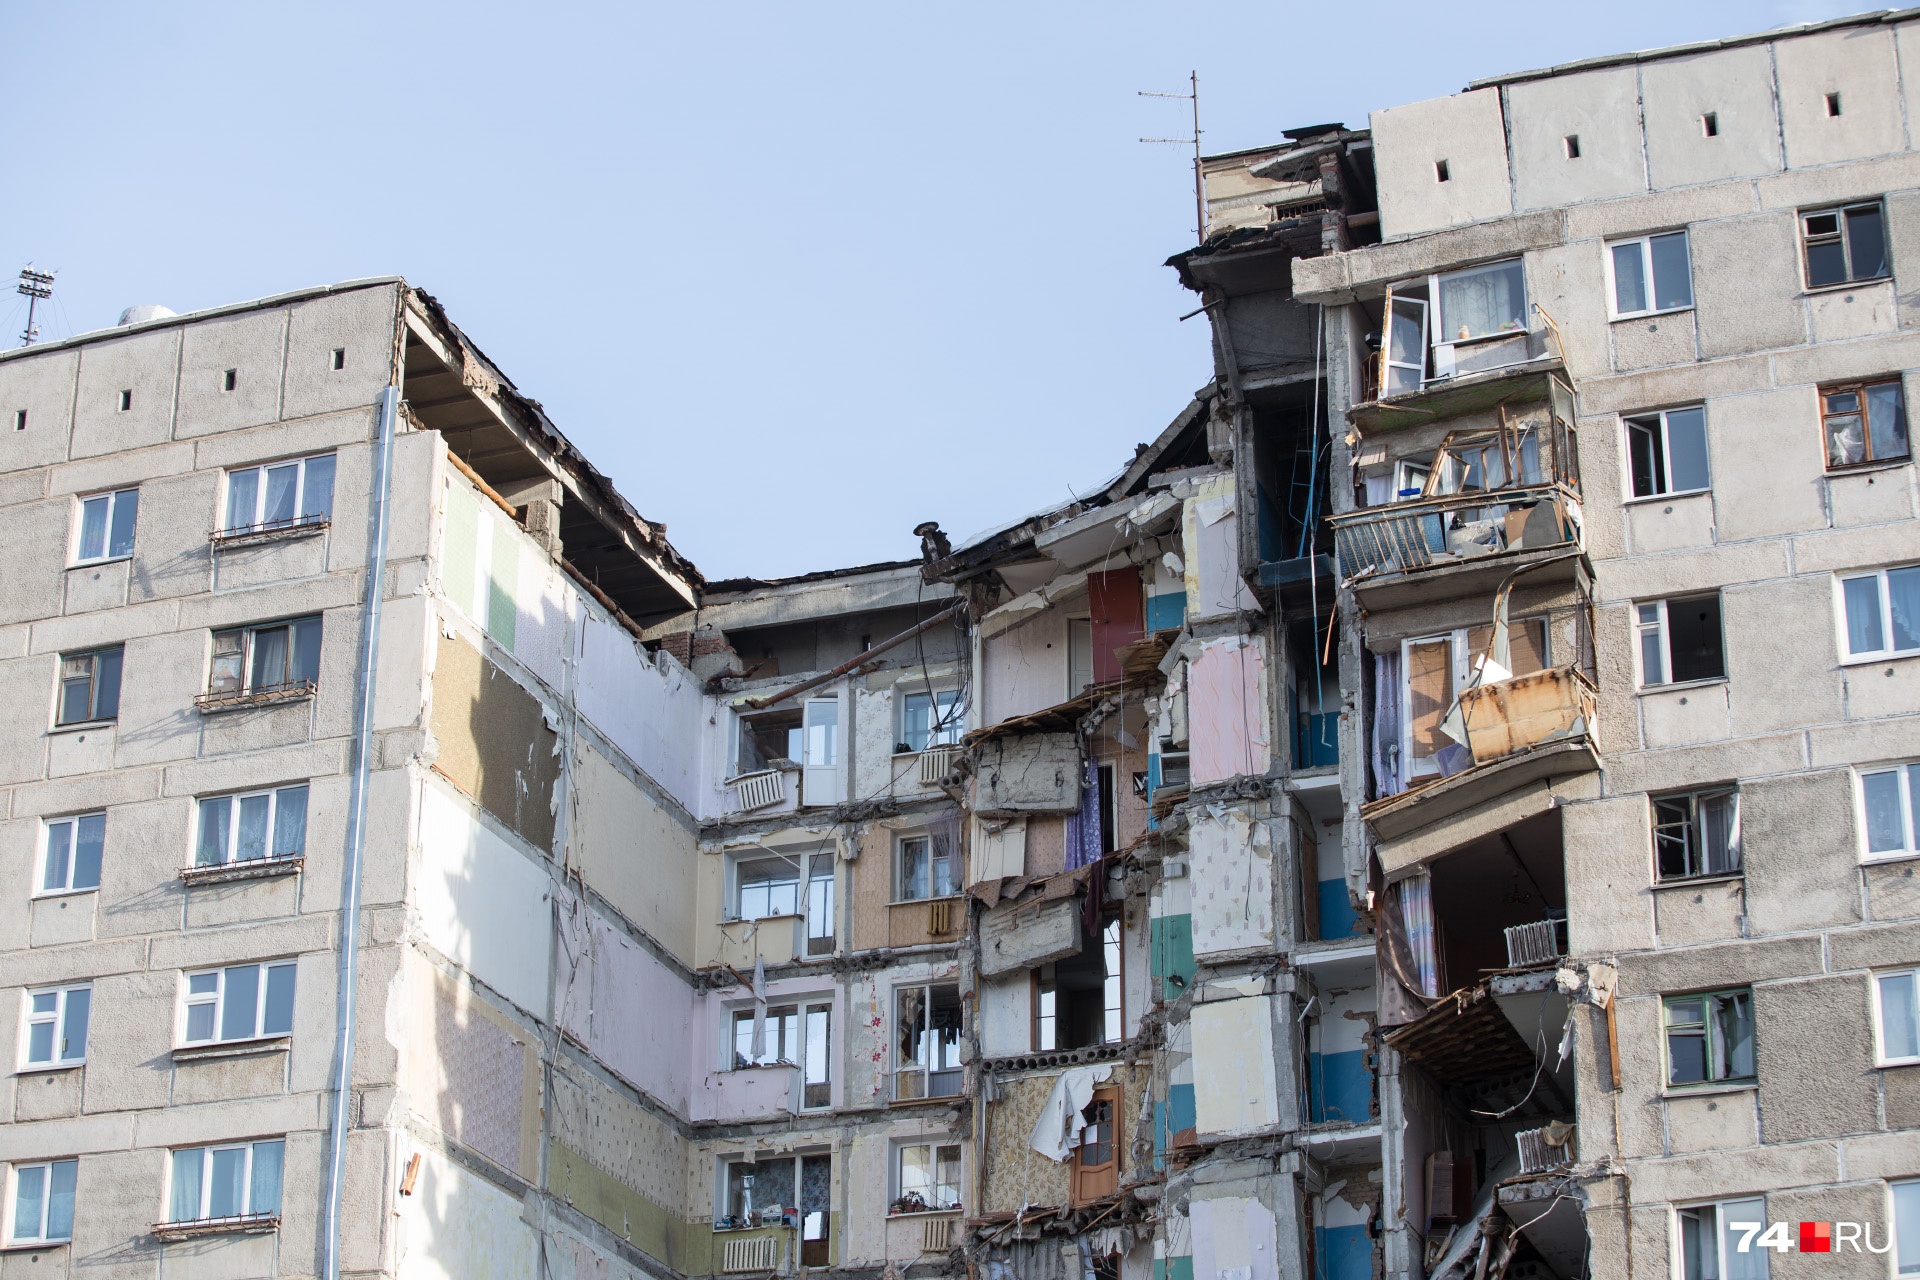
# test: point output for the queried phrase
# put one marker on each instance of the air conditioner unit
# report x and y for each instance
(741, 1256)
(758, 790)
(936, 763)
(936, 1235)
(940, 917)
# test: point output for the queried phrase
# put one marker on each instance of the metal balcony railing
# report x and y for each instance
(1456, 528)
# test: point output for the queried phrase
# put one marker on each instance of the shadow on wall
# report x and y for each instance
(495, 743)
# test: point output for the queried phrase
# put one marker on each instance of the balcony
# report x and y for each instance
(1455, 545)
(1509, 369)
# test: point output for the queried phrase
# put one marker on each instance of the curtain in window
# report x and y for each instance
(1083, 826)
(1479, 303)
(1416, 914)
(185, 1203)
(1386, 725)
(290, 822)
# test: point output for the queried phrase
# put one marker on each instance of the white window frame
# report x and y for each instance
(1911, 1266)
(114, 498)
(762, 853)
(58, 1019)
(1660, 625)
(1627, 421)
(246, 1178)
(1075, 622)
(933, 1144)
(233, 800)
(1909, 810)
(722, 1202)
(1645, 244)
(217, 998)
(803, 1007)
(260, 470)
(47, 825)
(943, 736)
(1721, 1230)
(930, 1047)
(955, 872)
(1881, 1058)
(12, 1223)
(1840, 581)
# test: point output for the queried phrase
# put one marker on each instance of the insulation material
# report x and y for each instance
(1234, 1238)
(1227, 711)
(1021, 935)
(999, 850)
(456, 1225)
(1243, 1100)
(549, 610)
(480, 561)
(651, 710)
(1033, 773)
(632, 1012)
(1024, 668)
(476, 892)
(1231, 882)
(494, 741)
(1212, 545)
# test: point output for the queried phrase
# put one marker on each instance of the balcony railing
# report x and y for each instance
(1457, 528)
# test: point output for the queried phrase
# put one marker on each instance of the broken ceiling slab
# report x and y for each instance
(1464, 1039)
(1417, 826)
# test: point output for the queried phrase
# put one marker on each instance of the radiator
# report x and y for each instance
(762, 1254)
(940, 917)
(1537, 1155)
(758, 790)
(1534, 944)
(936, 1235)
(936, 763)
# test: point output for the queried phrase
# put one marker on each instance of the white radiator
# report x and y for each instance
(936, 1235)
(1534, 944)
(936, 763)
(762, 1254)
(1537, 1154)
(758, 790)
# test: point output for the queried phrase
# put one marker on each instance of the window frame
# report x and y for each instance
(802, 1009)
(924, 1064)
(1904, 773)
(45, 857)
(233, 801)
(190, 999)
(1696, 840)
(1885, 621)
(115, 499)
(1863, 412)
(94, 682)
(940, 733)
(300, 519)
(1630, 421)
(1710, 1036)
(249, 636)
(58, 1021)
(1462, 658)
(1105, 1175)
(202, 1193)
(1912, 1263)
(1881, 1058)
(11, 1239)
(955, 873)
(1664, 629)
(1645, 244)
(934, 1144)
(1844, 237)
(1720, 1231)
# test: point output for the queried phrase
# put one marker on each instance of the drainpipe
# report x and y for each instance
(357, 836)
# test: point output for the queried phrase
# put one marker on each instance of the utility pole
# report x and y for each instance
(36, 287)
(1199, 178)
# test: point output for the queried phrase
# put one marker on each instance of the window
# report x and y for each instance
(1113, 1020)
(126, 400)
(1710, 1239)
(1080, 1001)
(70, 859)
(926, 1177)
(1833, 104)
(930, 720)
(1572, 144)
(1697, 833)
(1844, 245)
(280, 495)
(243, 1002)
(57, 1026)
(1079, 655)
(1890, 800)
(270, 658)
(90, 686)
(926, 1042)
(1883, 612)
(1856, 438)
(798, 1035)
(766, 887)
(241, 1180)
(106, 526)
(43, 1202)
(820, 881)
(1906, 1228)
(1440, 172)
(760, 1193)
(1710, 124)
(1482, 302)
(1434, 669)
(927, 867)
(1649, 274)
(1096, 1161)
(764, 739)
(1710, 1038)
(339, 357)
(1667, 452)
(1680, 641)
(1896, 1017)
(229, 379)
(258, 824)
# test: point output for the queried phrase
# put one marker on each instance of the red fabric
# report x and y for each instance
(1119, 618)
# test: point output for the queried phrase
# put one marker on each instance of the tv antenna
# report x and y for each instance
(36, 287)
(1199, 186)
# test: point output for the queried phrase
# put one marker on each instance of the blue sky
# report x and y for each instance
(796, 277)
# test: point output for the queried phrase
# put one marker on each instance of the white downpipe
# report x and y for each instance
(357, 837)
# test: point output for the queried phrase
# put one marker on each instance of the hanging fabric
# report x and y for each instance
(1083, 825)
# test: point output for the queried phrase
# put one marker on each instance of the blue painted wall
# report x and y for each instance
(1341, 1253)
(1339, 1088)
(1166, 612)
(1170, 939)
(1337, 919)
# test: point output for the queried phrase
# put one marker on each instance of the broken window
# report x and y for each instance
(1864, 422)
(1483, 461)
(106, 526)
(270, 658)
(1680, 640)
(762, 741)
(1096, 1161)
(926, 1177)
(1404, 350)
(1667, 452)
(252, 826)
(766, 887)
(927, 868)
(1709, 1037)
(1845, 244)
(1080, 1001)
(1890, 799)
(70, 859)
(926, 1042)
(280, 495)
(90, 686)
(242, 1002)
(797, 1035)
(1896, 1017)
(1650, 274)
(930, 720)
(1711, 1236)
(1697, 833)
(1883, 612)
(1437, 668)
